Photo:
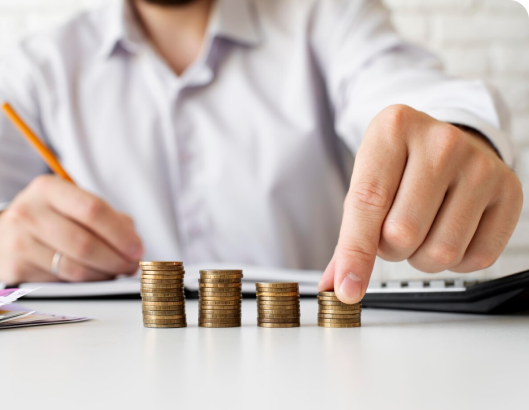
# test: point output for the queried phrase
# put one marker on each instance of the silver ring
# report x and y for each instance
(55, 263)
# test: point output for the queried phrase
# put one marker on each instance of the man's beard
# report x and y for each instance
(169, 2)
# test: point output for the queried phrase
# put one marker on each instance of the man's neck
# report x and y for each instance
(176, 32)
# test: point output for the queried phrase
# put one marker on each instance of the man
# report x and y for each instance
(225, 131)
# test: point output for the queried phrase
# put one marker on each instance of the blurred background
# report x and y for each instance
(486, 39)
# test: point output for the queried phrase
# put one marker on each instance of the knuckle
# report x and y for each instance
(481, 260)
(369, 195)
(42, 183)
(484, 169)
(447, 142)
(94, 208)
(401, 234)
(395, 117)
(84, 247)
(349, 250)
(443, 255)
(78, 273)
(512, 189)
(17, 214)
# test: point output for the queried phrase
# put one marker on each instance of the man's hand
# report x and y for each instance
(96, 242)
(424, 191)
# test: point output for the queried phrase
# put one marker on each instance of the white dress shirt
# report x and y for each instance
(247, 156)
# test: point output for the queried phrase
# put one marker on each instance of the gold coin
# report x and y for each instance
(336, 325)
(162, 277)
(213, 298)
(339, 312)
(172, 326)
(220, 307)
(161, 281)
(163, 312)
(219, 302)
(221, 276)
(277, 294)
(229, 280)
(276, 298)
(162, 297)
(147, 317)
(333, 316)
(279, 313)
(219, 312)
(336, 303)
(338, 320)
(163, 307)
(219, 285)
(219, 294)
(278, 325)
(235, 321)
(278, 320)
(160, 270)
(278, 305)
(278, 316)
(327, 294)
(164, 272)
(164, 321)
(220, 272)
(160, 263)
(276, 285)
(278, 291)
(180, 298)
(180, 310)
(163, 286)
(220, 320)
(219, 325)
(220, 315)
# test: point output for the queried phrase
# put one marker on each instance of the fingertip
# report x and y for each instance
(351, 289)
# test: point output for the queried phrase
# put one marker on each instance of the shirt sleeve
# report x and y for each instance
(19, 162)
(368, 67)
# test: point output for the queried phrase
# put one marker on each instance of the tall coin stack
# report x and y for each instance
(162, 294)
(220, 298)
(277, 304)
(333, 313)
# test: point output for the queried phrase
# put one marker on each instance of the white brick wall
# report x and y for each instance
(475, 38)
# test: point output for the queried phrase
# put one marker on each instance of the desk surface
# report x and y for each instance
(408, 360)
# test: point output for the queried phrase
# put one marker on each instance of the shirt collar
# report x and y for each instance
(234, 20)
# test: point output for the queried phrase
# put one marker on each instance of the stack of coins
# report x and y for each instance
(333, 313)
(277, 304)
(162, 294)
(220, 298)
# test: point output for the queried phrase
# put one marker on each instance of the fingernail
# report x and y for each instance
(351, 288)
(136, 251)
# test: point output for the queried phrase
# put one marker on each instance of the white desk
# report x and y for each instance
(397, 360)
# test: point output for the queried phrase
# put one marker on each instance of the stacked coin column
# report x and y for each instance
(220, 298)
(162, 294)
(278, 304)
(333, 313)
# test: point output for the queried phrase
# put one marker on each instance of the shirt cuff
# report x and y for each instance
(498, 138)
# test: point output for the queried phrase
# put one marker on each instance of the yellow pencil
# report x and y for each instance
(41, 148)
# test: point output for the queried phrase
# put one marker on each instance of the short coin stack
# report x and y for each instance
(220, 298)
(277, 304)
(333, 313)
(162, 293)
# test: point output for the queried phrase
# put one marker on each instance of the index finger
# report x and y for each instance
(378, 169)
(95, 214)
